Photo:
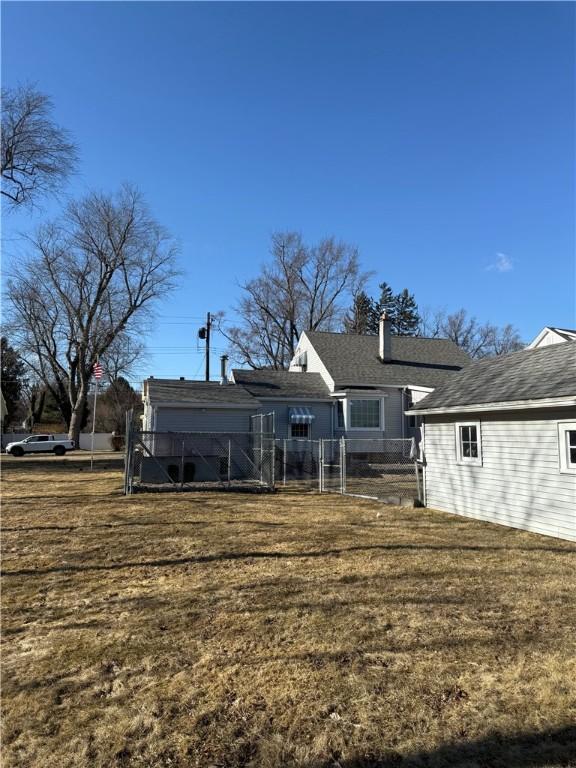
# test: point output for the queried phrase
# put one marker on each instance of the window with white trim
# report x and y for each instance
(567, 446)
(365, 414)
(300, 430)
(468, 443)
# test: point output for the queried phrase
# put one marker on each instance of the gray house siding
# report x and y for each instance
(191, 419)
(519, 483)
(321, 426)
(394, 414)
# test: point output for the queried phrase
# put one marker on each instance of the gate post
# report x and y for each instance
(284, 464)
(342, 465)
(182, 467)
(320, 465)
(128, 453)
(418, 491)
(229, 460)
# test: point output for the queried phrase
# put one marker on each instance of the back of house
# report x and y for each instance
(338, 385)
(499, 440)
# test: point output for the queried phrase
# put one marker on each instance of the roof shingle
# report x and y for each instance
(176, 391)
(352, 359)
(530, 374)
(271, 383)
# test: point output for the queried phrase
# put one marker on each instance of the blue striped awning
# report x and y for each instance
(300, 415)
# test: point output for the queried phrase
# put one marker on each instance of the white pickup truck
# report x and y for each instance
(41, 444)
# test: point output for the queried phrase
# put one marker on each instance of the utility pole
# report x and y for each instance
(208, 324)
(204, 333)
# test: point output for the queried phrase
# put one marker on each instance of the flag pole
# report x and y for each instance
(93, 425)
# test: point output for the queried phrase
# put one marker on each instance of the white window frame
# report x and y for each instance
(566, 468)
(381, 425)
(301, 424)
(468, 461)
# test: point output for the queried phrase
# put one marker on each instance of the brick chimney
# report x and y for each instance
(384, 334)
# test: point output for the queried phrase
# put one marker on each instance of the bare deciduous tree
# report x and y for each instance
(90, 281)
(121, 356)
(37, 156)
(113, 403)
(478, 339)
(301, 288)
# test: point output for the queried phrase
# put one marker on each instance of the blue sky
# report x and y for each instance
(437, 137)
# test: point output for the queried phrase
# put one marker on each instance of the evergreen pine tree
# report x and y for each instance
(401, 308)
(360, 318)
(386, 302)
(405, 319)
(12, 376)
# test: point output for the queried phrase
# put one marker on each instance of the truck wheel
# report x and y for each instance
(59, 450)
(17, 451)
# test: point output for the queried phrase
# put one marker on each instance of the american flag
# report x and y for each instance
(98, 371)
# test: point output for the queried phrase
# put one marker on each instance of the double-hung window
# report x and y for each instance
(468, 443)
(567, 446)
(365, 414)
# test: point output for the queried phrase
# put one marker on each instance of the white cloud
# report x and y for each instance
(503, 263)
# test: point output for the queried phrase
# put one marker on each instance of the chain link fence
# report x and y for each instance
(298, 464)
(376, 468)
(165, 461)
(381, 468)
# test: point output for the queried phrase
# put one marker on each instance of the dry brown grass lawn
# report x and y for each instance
(287, 630)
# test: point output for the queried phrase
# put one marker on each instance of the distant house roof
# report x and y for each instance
(291, 384)
(353, 360)
(200, 392)
(542, 374)
(568, 333)
(551, 335)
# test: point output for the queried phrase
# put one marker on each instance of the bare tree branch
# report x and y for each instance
(36, 155)
(478, 339)
(301, 288)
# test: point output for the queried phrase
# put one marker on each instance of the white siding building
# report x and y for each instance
(499, 441)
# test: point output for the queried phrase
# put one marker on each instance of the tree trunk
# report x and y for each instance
(76, 419)
(37, 401)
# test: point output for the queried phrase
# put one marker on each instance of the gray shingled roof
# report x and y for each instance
(353, 360)
(176, 391)
(530, 374)
(268, 383)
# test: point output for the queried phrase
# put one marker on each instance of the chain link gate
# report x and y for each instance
(332, 478)
(298, 463)
(375, 468)
(381, 468)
